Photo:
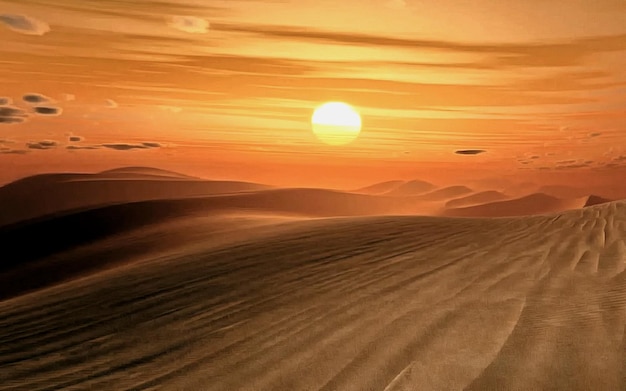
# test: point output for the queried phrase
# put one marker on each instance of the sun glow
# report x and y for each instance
(336, 123)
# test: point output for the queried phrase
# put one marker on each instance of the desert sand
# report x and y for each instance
(254, 291)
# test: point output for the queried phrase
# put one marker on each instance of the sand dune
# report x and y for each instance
(482, 197)
(562, 191)
(533, 204)
(379, 188)
(149, 171)
(94, 223)
(358, 303)
(411, 188)
(596, 200)
(62, 192)
(445, 193)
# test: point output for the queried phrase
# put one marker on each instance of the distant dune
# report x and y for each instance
(411, 188)
(51, 193)
(530, 205)
(561, 191)
(596, 200)
(476, 198)
(356, 303)
(445, 193)
(380, 188)
(148, 171)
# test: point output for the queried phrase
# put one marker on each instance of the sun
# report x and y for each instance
(336, 123)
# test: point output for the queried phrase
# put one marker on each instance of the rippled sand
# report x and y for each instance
(355, 303)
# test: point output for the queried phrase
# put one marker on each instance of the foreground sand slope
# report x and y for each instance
(359, 303)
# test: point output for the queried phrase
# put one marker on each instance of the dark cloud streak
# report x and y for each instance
(469, 151)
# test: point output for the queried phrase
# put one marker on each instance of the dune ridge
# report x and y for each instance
(63, 192)
(482, 197)
(411, 188)
(533, 204)
(352, 303)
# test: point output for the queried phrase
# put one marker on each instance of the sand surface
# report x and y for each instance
(352, 303)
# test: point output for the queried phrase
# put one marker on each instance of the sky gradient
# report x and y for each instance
(447, 89)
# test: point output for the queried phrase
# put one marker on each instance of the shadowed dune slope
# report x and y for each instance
(351, 304)
(51, 193)
(476, 198)
(530, 205)
(596, 200)
(84, 226)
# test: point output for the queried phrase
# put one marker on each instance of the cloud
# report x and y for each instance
(45, 110)
(44, 144)
(11, 115)
(75, 139)
(5, 101)
(78, 147)
(189, 24)
(595, 134)
(69, 97)
(127, 146)
(151, 145)
(24, 24)
(577, 165)
(469, 151)
(173, 109)
(111, 104)
(564, 53)
(35, 98)
(9, 151)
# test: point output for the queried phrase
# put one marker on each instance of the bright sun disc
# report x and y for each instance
(336, 123)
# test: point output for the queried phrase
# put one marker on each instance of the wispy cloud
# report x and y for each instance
(12, 115)
(9, 151)
(35, 98)
(111, 104)
(49, 111)
(128, 146)
(81, 147)
(44, 144)
(469, 151)
(189, 24)
(564, 53)
(24, 24)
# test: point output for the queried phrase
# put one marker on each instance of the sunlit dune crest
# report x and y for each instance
(476, 198)
(445, 193)
(411, 188)
(533, 204)
(380, 188)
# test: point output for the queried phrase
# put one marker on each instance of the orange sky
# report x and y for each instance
(225, 89)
